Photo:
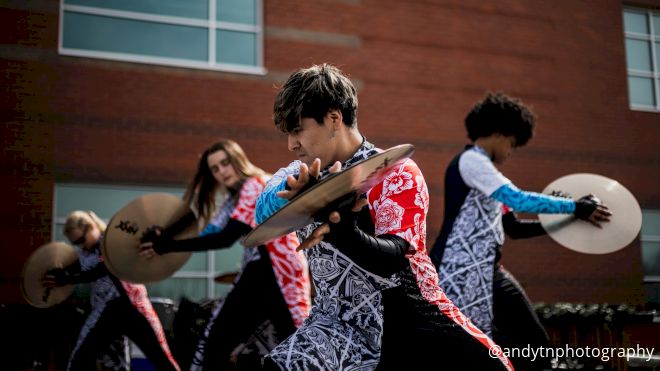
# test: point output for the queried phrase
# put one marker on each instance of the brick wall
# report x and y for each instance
(419, 65)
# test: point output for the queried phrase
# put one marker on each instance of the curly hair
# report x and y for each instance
(311, 93)
(501, 114)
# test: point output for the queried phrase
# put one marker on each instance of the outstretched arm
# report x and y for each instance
(225, 238)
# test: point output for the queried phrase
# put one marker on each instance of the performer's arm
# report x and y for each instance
(532, 202)
(479, 172)
(269, 202)
(383, 255)
(222, 239)
(73, 274)
(521, 228)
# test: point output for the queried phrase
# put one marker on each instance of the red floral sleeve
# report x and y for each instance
(247, 201)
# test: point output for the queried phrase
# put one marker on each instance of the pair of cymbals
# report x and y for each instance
(579, 235)
(120, 249)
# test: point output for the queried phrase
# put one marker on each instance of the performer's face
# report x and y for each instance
(312, 140)
(222, 169)
(502, 147)
(85, 237)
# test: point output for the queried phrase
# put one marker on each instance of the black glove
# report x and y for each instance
(162, 243)
(585, 206)
(310, 183)
(62, 276)
(348, 224)
(342, 205)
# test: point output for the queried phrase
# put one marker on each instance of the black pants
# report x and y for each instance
(254, 307)
(418, 336)
(515, 324)
(118, 318)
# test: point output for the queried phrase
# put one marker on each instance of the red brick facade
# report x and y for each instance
(419, 65)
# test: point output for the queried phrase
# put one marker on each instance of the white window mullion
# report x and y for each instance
(260, 34)
(210, 274)
(136, 16)
(656, 73)
(212, 22)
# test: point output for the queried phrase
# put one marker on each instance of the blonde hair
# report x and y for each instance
(81, 219)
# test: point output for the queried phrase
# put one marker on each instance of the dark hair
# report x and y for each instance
(501, 114)
(203, 186)
(311, 93)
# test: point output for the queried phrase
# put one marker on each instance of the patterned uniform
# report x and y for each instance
(119, 308)
(277, 264)
(345, 328)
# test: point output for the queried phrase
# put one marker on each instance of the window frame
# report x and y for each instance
(653, 37)
(211, 24)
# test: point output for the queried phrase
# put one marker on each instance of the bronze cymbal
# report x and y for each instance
(579, 235)
(46, 257)
(228, 277)
(122, 238)
(297, 213)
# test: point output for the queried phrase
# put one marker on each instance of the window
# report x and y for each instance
(642, 35)
(651, 254)
(209, 34)
(194, 280)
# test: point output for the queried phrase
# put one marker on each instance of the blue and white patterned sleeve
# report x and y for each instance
(478, 172)
(269, 202)
(210, 229)
(532, 202)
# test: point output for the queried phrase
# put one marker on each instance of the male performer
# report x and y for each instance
(378, 302)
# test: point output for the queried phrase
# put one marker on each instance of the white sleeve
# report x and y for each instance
(479, 172)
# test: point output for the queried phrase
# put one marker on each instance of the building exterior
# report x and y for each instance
(124, 110)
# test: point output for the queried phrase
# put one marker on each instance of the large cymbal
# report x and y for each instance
(46, 257)
(298, 212)
(581, 236)
(122, 238)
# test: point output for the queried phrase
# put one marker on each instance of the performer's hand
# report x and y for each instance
(324, 229)
(589, 208)
(307, 177)
(56, 277)
(153, 243)
(562, 194)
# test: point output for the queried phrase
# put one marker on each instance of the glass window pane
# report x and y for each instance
(635, 22)
(638, 54)
(236, 47)
(657, 57)
(104, 201)
(92, 32)
(656, 25)
(238, 11)
(640, 91)
(175, 288)
(651, 258)
(651, 222)
(228, 260)
(198, 262)
(220, 290)
(188, 8)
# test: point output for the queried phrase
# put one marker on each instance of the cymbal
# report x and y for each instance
(297, 213)
(579, 235)
(226, 277)
(46, 257)
(122, 238)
